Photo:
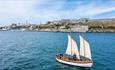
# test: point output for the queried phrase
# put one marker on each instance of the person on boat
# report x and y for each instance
(74, 57)
(59, 56)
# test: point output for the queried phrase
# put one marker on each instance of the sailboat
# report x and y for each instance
(73, 56)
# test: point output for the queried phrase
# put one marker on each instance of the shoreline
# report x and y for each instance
(58, 31)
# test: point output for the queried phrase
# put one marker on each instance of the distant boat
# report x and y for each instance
(73, 56)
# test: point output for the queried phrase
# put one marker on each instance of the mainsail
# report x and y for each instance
(81, 46)
(72, 47)
(84, 48)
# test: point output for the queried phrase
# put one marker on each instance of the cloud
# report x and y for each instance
(43, 10)
(57, 10)
(92, 10)
(13, 8)
(12, 11)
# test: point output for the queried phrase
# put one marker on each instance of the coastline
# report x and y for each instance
(66, 25)
(97, 31)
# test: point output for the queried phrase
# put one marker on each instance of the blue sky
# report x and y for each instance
(36, 11)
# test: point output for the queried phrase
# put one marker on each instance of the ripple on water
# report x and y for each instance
(36, 50)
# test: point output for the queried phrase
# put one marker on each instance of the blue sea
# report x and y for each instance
(37, 50)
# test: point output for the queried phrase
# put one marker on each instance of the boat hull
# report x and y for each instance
(75, 64)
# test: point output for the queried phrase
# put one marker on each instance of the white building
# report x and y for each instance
(79, 28)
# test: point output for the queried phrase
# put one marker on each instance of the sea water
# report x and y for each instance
(37, 50)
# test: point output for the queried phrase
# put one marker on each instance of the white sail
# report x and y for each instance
(72, 47)
(68, 51)
(81, 46)
(85, 48)
(75, 48)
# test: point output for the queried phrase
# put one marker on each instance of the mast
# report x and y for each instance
(71, 43)
(84, 47)
(71, 40)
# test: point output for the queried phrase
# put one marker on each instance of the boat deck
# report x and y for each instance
(66, 58)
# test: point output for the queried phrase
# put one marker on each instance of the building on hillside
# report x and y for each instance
(79, 28)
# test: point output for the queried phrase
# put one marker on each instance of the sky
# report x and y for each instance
(41, 11)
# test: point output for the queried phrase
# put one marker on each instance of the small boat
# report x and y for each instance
(73, 56)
